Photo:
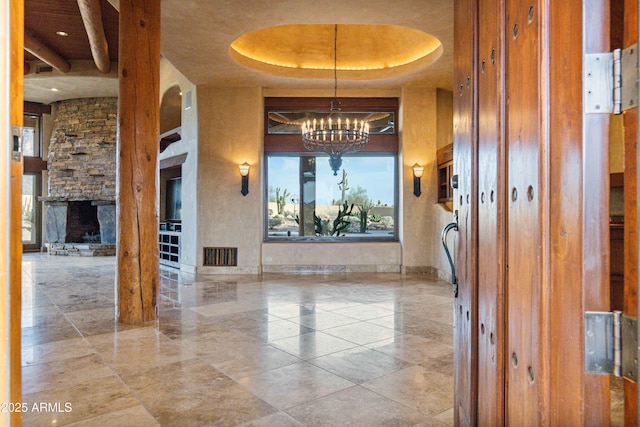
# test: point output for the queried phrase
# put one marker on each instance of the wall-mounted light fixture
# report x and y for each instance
(244, 172)
(417, 174)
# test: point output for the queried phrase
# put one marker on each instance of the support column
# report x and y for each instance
(138, 275)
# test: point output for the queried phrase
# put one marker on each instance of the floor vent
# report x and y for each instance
(221, 257)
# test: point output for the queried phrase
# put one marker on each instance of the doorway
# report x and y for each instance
(31, 212)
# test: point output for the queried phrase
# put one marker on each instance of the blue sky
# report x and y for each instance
(376, 174)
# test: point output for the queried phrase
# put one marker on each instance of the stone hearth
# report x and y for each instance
(81, 228)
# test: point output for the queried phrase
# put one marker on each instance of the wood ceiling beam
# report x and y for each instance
(92, 17)
(45, 53)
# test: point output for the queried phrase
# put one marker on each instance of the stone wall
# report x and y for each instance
(82, 150)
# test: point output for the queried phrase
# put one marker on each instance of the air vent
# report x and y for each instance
(221, 257)
(44, 69)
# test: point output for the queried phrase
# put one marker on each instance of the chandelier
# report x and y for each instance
(333, 135)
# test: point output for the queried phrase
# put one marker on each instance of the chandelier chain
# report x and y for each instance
(335, 62)
(334, 135)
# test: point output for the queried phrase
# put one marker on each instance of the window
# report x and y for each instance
(31, 136)
(305, 201)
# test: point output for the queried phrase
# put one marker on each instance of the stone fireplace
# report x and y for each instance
(80, 205)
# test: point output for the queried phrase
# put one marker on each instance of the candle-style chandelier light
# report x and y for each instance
(333, 135)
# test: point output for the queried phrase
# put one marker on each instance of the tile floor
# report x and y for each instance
(273, 350)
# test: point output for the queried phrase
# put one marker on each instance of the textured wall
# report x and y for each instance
(82, 150)
(188, 144)
(423, 217)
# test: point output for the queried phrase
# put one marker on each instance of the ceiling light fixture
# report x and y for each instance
(62, 33)
(54, 89)
(333, 135)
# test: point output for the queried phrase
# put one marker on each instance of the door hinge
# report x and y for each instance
(611, 344)
(611, 81)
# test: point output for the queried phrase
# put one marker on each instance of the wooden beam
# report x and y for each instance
(45, 53)
(36, 108)
(138, 266)
(92, 18)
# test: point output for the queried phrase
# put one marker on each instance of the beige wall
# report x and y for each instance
(332, 257)
(422, 217)
(230, 132)
(188, 143)
(230, 129)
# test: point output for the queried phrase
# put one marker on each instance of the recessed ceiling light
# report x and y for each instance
(62, 33)
(53, 89)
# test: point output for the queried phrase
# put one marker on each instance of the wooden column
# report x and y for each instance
(138, 274)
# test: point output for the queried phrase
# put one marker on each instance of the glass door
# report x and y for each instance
(31, 211)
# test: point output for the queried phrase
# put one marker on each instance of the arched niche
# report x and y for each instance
(170, 117)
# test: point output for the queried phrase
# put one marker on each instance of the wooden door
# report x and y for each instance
(630, 124)
(491, 214)
(465, 166)
(16, 8)
(533, 212)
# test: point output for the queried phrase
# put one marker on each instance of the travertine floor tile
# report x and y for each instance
(426, 391)
(359, 364)
(248, 358)
(414, 349)
(191, 392)
(55, 351)
(269, 350)
(364, 312)
(279, 419)
(322, 320)
(357, 406)
(361, 333)
(87, 399)
(313, 344)
(136, 416)
(63, 373)
(294, 384)
(137, 350)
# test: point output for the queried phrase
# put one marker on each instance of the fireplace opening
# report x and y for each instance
(82, 222)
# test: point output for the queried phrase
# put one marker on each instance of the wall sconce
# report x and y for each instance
(417, 174)
(244, 172)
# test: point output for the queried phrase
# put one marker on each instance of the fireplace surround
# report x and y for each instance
(81, 227)
(80, 205)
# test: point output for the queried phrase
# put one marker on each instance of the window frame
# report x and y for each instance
(286, 145)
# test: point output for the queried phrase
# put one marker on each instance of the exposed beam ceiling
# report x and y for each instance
(92, 17)
(196, 35)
